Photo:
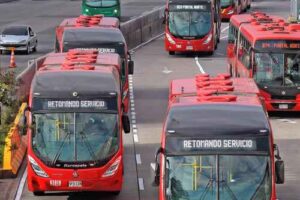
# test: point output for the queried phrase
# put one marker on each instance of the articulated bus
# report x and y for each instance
(109, 8)
(192, 25)
(76, 122)
(217, 142)
(266, 48)
(97, 33)
(233, 7)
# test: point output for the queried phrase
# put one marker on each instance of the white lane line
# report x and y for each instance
(134, 130)
(199, 65)
(135, 138)
(141, 184)
(143, 44)
(133, 121)
(152, 165)
(224, 29)
(21, 185)
(138, 159)
(226, 36)
(134, 126)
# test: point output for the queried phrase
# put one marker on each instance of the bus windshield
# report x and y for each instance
(277, 69)
(101, 3)
(60, 138)
(231, 176)
(226, 3)
(186, 23)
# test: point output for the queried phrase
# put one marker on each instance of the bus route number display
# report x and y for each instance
(278, 44)
(188, 7)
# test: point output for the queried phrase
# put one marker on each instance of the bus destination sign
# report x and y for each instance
(189, 7)
(179, 145)
(278, 44)
(96, 104)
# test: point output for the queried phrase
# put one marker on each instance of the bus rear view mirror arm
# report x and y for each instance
(279, 166)
(156, 171)
(126, 123)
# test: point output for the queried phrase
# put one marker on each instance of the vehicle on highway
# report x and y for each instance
(109, 8)
(217, 142)
(266, 48)
(233, 7)
(97, 33)
(76, 118)
(19, 37)
(192, 25)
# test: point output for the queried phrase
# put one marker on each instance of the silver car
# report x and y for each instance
(21, 37)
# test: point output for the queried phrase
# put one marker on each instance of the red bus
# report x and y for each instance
(233, 7)
(105, 37)
(192, 25)
(217, 142)
(266, 48)
(76, 119)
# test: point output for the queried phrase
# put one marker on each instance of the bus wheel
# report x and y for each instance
(210, 53)
(171, 52)
(249, 6)
(38, 193)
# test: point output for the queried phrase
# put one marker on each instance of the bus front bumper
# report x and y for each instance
(282, 105)
(81, 183)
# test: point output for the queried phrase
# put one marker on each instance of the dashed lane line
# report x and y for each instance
(199, 65)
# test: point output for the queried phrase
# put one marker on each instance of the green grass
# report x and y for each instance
(2, 142)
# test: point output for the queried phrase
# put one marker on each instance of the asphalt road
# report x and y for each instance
(154, 69)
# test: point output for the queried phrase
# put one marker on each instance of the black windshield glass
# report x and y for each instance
(238, 177)
(65, 139)
(15, 31)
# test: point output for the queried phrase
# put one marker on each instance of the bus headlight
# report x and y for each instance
(230, 12)
(170, 39)
(208, 39)
(36, 168)
(115, 11)
(113, 168)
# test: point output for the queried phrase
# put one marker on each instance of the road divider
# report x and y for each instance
(15, 146)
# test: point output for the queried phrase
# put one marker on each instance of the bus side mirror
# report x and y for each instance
(279, 166)
(130, 67)
(156, 171)
(126, 123)
(23, 121)
(279, 171)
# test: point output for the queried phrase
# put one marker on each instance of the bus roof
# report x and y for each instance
(85, 36)
(63, 83)
(259, 26)
(91, 21)
(78, 58)
(221, 119)
(204, 89)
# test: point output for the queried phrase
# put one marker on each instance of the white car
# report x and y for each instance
(20, 37)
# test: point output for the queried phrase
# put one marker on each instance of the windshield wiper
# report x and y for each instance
(261, 183)
(88, 145)
(229, 190)
(60, 149)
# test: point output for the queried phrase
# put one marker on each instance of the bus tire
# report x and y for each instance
(171, 52)
(249, 6)
(38, 193)
(210, 53)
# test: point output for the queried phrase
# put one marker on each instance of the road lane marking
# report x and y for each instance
(141, 184)
(153, 166)
(21, 185)
(166, 70)
(199, 65)
(287, 121)
(145, 43)
(224, 29)
(138, 159)
(135, 138)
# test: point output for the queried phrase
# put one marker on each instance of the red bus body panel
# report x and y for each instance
(253, 32)
(182, 92)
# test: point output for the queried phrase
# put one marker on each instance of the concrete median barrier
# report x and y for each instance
(143, 28)
(15, 147)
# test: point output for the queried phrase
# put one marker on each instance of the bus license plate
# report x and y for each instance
(283, 106)
(189, 47)
(75, 183)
